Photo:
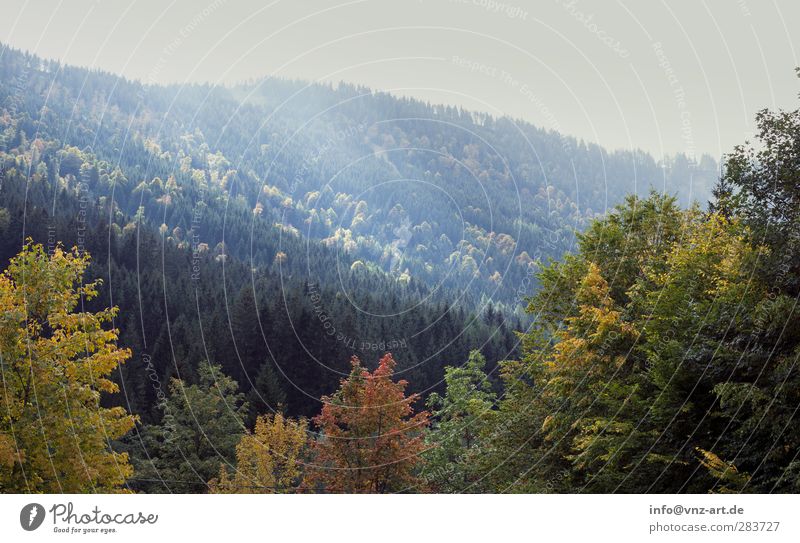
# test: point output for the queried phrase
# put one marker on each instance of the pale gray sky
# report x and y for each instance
(665, 76)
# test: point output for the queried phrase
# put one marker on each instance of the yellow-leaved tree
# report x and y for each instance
(55, 363)
(268, 460)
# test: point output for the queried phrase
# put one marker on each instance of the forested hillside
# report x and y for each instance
(281, 287)
(203, 262)
(326, 221)
(459, 201)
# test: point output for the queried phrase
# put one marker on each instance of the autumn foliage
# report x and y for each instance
(269, 460)
(55, 363)
(370, 438)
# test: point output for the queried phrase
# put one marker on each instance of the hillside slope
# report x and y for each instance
(459, 201)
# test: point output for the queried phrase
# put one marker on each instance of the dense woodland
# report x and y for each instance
(203, 286)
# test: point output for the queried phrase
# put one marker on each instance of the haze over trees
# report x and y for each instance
(245, 247)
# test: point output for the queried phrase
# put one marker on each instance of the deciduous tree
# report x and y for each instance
(370, 438)
(56, 363)
(461, 417)
(200, 427)
(268, 460)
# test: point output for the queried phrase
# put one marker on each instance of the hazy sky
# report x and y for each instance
(665, 76)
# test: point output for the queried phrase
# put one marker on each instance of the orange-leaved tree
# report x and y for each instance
(370, 438)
